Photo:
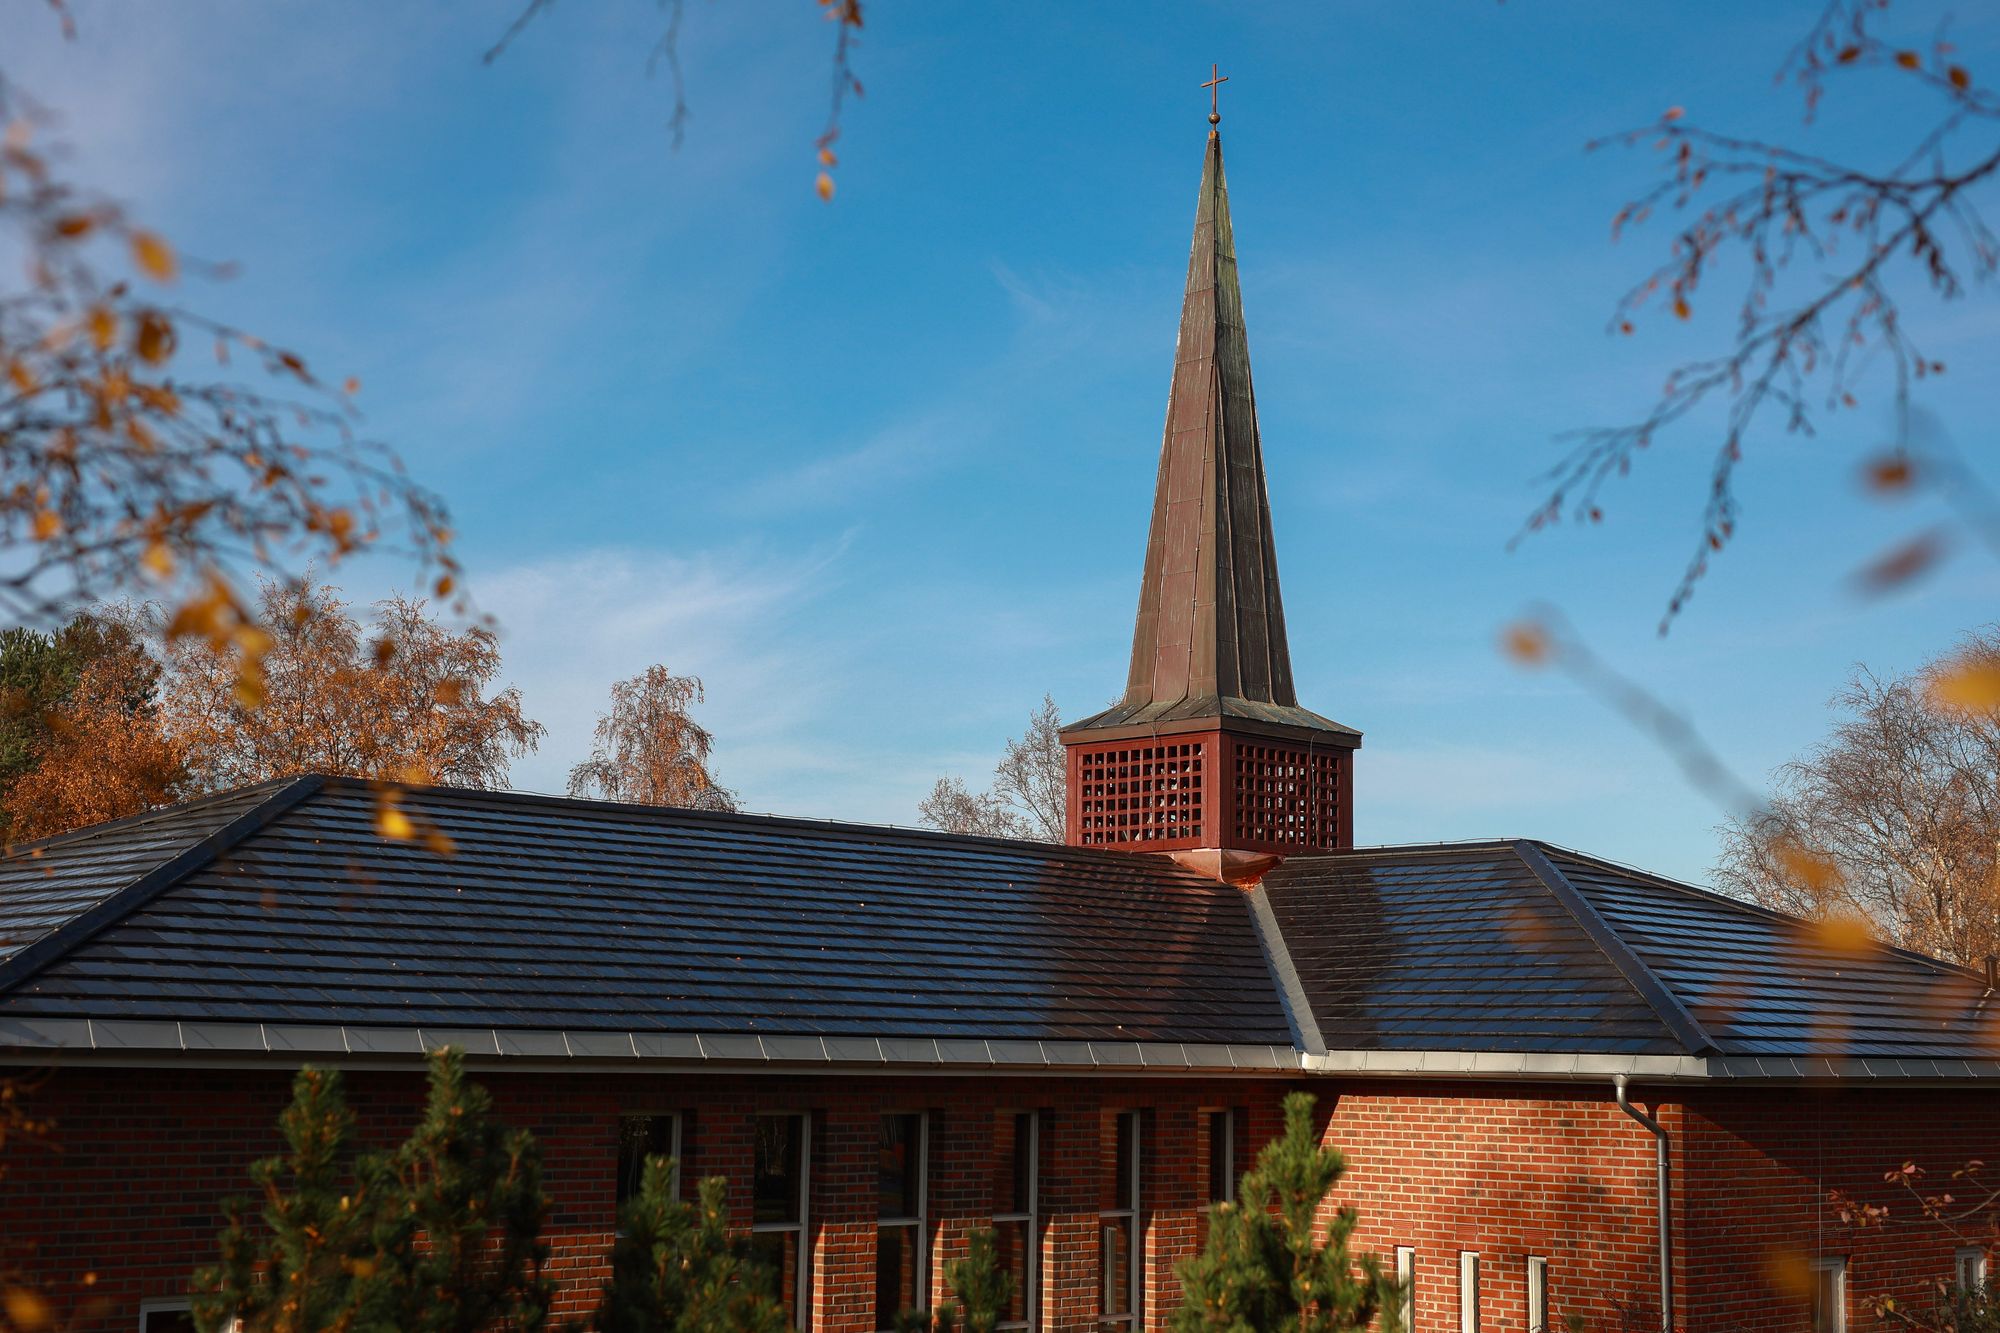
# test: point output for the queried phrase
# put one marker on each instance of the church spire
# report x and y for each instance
(1210, 665)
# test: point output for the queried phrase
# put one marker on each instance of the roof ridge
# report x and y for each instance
(1686, 1029)
(122, 902)
(1754, 909)
(687, 813)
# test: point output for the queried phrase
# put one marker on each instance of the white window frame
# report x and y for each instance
(1835, 1264)
(1030, 1221)
(1968, 1267)
(1468, 1291)
(1227, 1115)
(802, 1317)
(174, 1305)
(921, 1222)
(674, 1139)
(1135, 1316)
(1538, 1294)
(1406, 1282)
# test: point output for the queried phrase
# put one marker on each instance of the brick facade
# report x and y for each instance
(144, 1157)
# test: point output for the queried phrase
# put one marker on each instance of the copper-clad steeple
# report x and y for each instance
(1210, 663)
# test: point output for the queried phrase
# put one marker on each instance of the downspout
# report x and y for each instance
(1664, 1206)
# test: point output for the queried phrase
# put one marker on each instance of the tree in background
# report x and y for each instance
(1030, 786)
(404, 703)
(1266, 1266)
(1895, 818)
(80, 733)
(675, 1268)
(442, 1235)
(648, 750)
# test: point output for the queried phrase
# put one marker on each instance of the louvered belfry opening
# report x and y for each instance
(1208, 751)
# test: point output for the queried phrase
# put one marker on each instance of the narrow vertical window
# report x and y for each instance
(1406, 1284)
(1829, 1295)
(902, 1252)
(640, 1137)
(1468, 1292)
(783, 1161)
(1017, 1230)
(1969, 1268)
(1538, 1294)
(1221, 1156)
(1121, 1260)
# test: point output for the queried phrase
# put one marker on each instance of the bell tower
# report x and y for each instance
(1208, 756)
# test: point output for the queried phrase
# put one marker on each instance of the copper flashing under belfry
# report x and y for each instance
(1227, 865)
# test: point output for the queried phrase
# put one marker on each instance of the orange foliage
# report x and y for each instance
(648, 750)
(106, 758)
(405, 706)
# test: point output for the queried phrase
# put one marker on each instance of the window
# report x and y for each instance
(1120, 1261)
(902, 1255)
(1829, 1295)
(783, 1160)
(168, 1316)
(1221, 1156)
(640, 1137)
(1468, 1292)
(1538, 1294)
(1017, 1222)
(1969, 1268)
(1406, 1284)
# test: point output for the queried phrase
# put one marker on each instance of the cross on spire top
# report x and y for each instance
(1215, 81)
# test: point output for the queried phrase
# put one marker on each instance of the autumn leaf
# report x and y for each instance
(154, 340)
(154, 256)
(1681, 308)
(1959, 78)
(26, 1309)
(824, 185)
(1970, 685)
(47, 524)
(1527, 643)
(158, 560)
(1815, 870)
(391, 822)
(1903, 563)
(103, 327)
(1889, 473)
(1909, 60)
(1843, 934)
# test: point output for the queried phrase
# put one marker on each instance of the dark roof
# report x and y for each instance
(277, 919)
(578, 915)
(1521, 946)
(44, 884)
(1210, 635)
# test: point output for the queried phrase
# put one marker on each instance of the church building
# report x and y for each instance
(1571, 1094)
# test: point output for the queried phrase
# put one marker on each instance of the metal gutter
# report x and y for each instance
(196, 1043)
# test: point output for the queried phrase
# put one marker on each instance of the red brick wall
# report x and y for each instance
(1506, 1173)
(143, 1159)
(1760, 1166)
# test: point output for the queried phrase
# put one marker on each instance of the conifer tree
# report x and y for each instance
(459, 1248)
(981, 1288)
(440, 1235)
(1266, 1268)
(318, 1225)
(676, 1269)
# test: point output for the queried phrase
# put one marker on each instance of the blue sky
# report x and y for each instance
(879, 470)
